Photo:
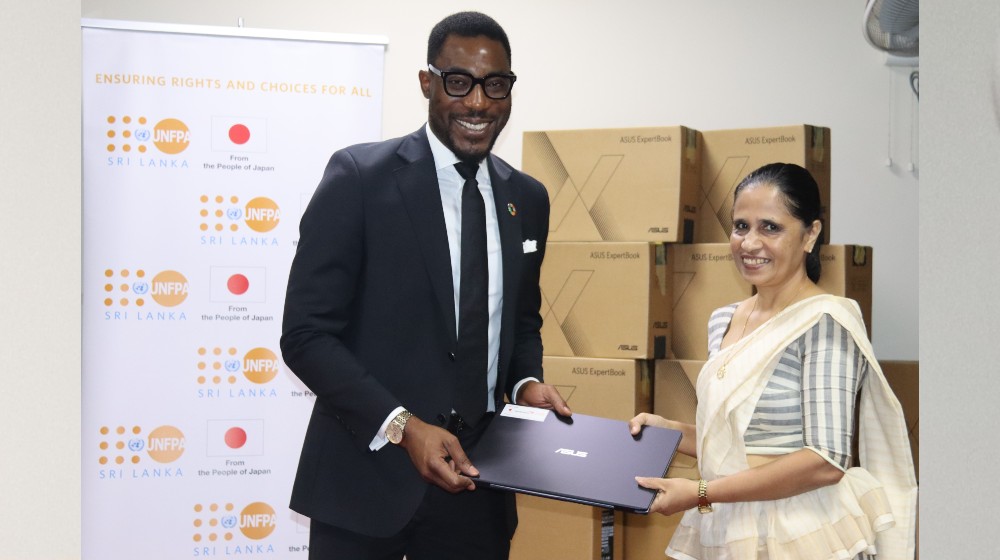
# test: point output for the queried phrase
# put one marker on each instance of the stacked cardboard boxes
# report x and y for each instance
(617, 197)
(674, 382)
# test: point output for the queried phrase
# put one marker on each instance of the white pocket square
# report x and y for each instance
(530, 245)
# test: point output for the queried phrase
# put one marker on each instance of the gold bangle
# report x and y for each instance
(704, 506)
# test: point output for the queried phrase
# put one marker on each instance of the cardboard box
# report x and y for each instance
(549, 529)
(847, 272)
(674, 381)
(609, 388)
(646, 536)
(705, 278)
(730, 155)
(904, 379)
(606, 300)
(618, 184)
(674, 397)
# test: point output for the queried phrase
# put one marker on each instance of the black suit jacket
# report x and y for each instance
(369, 321)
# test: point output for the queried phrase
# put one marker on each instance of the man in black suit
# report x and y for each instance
(377, 318)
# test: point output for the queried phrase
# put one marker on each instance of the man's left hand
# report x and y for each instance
(543, 395)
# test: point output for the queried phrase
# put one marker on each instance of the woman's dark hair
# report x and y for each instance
(465, 24)
(801, 194)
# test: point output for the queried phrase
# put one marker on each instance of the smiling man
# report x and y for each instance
(412, 312)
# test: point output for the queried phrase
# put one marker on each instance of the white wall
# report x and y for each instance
(959, 308)
(40, 280)
(705, 64)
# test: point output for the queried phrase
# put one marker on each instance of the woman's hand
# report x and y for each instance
(645, 419)
(672, 494)
(688, 444)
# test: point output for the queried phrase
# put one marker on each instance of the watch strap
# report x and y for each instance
(704, 506)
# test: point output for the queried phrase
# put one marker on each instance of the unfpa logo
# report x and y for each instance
(215, 522)
(171, 136)
(125, 134)
(259, 365)
(168, 288)
(219, 214)
(262, 214)
(257, 521)
(164, 444)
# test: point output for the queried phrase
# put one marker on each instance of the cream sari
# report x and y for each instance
(871, 510)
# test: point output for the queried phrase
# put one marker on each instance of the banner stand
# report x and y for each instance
(201, 148)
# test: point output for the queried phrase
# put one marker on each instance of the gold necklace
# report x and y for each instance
(722, 370)
(747, 322)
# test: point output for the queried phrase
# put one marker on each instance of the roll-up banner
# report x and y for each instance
(201, 148)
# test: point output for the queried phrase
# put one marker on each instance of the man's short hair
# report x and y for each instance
(465, 24)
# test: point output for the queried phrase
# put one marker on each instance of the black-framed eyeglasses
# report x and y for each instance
(459, 84)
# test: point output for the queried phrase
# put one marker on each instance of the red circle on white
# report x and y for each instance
(239, 134)
(238, 284)
(236, 437)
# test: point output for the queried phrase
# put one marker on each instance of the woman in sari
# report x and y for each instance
(790, 372)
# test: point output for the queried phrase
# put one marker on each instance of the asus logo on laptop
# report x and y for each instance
(564, 451)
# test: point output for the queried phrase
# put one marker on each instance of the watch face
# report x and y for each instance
(393, 433)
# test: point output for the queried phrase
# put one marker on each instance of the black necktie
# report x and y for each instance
(473, 312)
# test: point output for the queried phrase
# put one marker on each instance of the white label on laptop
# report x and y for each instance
(524, 412)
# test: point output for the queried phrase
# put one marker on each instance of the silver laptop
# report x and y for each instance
(583, 459)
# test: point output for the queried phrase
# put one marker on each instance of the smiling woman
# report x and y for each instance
(776, 416)
(775, 238)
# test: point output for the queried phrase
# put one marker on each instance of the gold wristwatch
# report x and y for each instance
(394, 431)
(704, 506)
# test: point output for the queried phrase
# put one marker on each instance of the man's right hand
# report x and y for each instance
(438, 456)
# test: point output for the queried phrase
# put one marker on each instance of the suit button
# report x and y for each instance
(451, 356)
(441, 419)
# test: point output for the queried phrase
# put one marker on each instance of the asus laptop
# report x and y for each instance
(584, 459)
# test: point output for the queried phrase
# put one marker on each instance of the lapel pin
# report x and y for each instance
(511, 209)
